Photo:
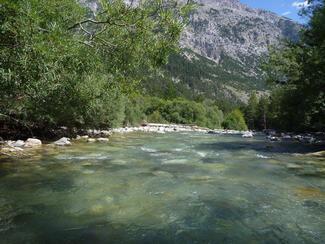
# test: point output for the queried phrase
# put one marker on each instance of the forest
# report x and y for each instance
(297, 74)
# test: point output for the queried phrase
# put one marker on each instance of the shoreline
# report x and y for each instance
(18, 147)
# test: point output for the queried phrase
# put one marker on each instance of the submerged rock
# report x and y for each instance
(309, 192)
(11, 149)
(64, 141)
(273, 138)
(317, 154)
(294, 166)
(32, 142)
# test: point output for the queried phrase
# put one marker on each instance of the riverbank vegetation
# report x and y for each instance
(297, 102)
(64, 65)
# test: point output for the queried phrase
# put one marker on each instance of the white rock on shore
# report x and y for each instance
(32, 142)
(19, 143)
(248, 134)
(64, 141)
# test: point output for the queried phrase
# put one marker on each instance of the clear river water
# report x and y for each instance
(165, 188)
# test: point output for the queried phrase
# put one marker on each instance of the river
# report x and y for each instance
(164, 188)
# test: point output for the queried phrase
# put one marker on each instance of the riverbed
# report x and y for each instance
(165, 188)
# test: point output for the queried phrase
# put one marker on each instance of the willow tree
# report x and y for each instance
(63, 64)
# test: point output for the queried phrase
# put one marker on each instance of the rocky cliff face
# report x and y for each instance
(233, 37)
(228, 27)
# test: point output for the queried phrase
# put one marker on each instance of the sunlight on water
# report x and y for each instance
(168, 188)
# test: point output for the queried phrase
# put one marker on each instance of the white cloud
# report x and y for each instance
(300, 4)
(286, 13)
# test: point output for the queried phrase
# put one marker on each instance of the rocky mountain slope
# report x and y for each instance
(222, 48)
(227, 39)
(227, 27)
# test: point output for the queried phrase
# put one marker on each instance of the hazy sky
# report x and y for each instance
(288, 8)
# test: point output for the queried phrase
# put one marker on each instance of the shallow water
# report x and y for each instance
(169, 188)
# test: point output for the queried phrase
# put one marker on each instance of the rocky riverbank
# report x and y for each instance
(18, 147)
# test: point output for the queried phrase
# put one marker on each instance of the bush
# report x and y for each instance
(235, 121)
(182, 111)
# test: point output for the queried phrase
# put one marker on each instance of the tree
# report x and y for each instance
(61, 64)
(263, 113)
(299, 70)
(235, 121)
(251, 111)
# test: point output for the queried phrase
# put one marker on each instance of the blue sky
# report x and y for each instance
(287, 8)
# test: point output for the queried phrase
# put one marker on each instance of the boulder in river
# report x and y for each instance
(64, 141)
(91, 140)
(248, 134)
(32, 142)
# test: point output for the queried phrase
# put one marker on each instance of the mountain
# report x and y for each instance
(222, 48)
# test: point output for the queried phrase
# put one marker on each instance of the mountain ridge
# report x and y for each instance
(234, 37)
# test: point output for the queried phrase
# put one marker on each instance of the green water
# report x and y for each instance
(169, 188)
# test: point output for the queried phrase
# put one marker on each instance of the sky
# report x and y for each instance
(287, 8)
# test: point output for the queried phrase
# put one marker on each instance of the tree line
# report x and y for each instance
(297, 72)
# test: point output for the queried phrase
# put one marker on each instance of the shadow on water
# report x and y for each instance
(261, 145)
(214, 222)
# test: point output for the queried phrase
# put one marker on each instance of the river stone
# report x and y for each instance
(32, 142)
(11, 149)
(106, 132)
(248, 134)
(64, 141)
(102, 139)
(91, 140)
(82, 137)
(18, 143)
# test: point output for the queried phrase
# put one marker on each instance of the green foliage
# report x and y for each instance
(235, 121)
(61, 64)
(180, 111)
(263, 114)
(299, 71)
(251, 111)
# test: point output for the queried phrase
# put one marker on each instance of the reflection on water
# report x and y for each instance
(170, 188)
